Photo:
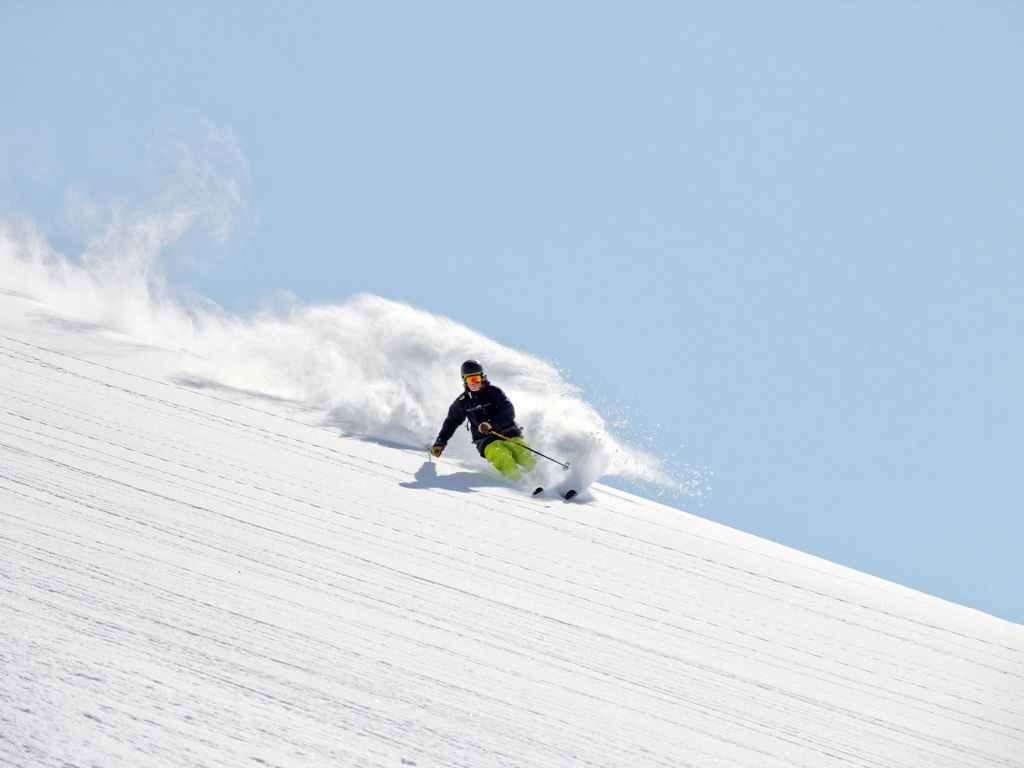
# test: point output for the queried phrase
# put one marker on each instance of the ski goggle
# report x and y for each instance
(473, 378)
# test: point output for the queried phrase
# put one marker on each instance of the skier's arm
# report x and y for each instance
(456, 415)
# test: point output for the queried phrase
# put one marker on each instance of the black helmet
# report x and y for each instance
(470, 367)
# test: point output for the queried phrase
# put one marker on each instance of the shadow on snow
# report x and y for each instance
(464, 482)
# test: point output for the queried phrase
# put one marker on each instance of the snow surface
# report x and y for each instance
(194, 575)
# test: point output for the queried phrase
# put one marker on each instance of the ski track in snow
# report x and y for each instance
(191, 581)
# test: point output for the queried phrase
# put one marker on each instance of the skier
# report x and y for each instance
(488, 411)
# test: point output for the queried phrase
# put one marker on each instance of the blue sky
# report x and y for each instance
(785, 237)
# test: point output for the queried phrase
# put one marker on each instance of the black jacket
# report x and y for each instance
(490, 405)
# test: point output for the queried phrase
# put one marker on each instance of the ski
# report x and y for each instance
(568, 495)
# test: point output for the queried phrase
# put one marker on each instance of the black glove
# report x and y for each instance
(436, 449)
(485, 428)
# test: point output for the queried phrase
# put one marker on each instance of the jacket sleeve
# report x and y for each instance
(505, 415)
(456, 415)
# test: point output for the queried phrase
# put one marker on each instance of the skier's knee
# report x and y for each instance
(523, 456)
(503, 460)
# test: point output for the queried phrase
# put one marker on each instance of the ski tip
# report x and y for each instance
(570, 494)
(538, 490)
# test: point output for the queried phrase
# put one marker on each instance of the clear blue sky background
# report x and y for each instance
(787, 236)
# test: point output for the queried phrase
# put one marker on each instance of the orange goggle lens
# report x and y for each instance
(474, 378)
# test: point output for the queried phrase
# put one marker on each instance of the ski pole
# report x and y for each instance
(563, 464)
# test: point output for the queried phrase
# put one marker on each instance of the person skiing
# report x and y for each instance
(489, 411)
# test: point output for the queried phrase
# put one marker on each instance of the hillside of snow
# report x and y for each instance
(197, 573)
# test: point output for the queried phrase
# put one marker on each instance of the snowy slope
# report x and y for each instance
(197, 577)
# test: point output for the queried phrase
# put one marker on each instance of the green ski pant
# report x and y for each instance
(508, 456)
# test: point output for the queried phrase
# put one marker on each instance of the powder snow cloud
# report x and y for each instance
(371, 366)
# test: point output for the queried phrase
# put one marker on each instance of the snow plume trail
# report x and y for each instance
(374, 368)
(388, 371)
(196, 202)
